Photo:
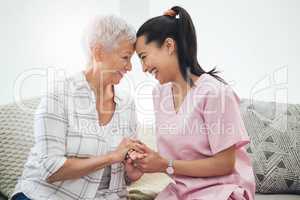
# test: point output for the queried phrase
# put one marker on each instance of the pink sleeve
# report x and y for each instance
(223, 121)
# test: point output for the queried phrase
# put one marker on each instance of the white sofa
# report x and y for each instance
(16, 138)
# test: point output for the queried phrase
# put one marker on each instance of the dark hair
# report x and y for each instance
(181, 29)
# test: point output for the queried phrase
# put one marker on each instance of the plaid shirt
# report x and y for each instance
(66, 125)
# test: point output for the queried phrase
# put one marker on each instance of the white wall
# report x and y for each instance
(255, 43)
(39, 34)
(249, 41)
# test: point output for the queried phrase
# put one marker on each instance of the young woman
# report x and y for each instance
(200, 132)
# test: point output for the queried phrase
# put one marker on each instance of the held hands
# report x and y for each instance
(126, 144)
(138, 159)
(147, 162)
(132, 171)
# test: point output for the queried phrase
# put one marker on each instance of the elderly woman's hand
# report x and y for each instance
(126, 144)
(132, 171)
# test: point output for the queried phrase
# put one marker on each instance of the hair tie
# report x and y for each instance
(171, 13)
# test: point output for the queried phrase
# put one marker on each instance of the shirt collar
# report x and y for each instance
(81, 82)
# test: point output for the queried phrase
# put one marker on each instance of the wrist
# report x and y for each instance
(164, 165)
(112, 158)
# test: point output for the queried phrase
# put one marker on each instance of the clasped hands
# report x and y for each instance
(139, 159)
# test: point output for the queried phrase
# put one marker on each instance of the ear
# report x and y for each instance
(170, 45)
(97, 53)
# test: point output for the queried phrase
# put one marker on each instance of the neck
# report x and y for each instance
(103, 90)
(181, 86)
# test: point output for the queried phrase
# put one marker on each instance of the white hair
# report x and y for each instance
(107, 31)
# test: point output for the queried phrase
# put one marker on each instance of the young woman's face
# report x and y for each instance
(156, 60)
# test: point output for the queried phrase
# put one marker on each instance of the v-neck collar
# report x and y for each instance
(189, 92)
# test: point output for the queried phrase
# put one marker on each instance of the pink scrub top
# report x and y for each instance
(207, 122)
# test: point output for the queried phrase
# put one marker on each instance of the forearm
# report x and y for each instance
(75, 168)
(218, 165)
(202, 168)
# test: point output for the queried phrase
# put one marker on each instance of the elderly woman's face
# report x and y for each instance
(116, 62)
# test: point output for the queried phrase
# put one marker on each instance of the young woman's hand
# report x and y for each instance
(153, 162)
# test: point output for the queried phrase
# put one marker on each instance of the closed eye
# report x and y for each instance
(126, 57)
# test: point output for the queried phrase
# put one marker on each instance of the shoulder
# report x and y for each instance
(210, 87)
(68, 86)
(62, 92)
(212, 94)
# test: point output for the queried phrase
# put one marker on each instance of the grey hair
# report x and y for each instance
(107, 31)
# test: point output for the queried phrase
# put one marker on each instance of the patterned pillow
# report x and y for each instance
(16, 139)
(274, 130)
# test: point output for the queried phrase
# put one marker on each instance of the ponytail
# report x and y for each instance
(178, 25)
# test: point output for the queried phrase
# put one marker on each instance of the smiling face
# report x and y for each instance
(114, 63)
(160, 61)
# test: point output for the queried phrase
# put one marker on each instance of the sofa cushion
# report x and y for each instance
(16, 139)
(274, 130)
(276, 197)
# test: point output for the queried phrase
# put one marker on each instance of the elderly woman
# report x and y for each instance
(84, 129)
